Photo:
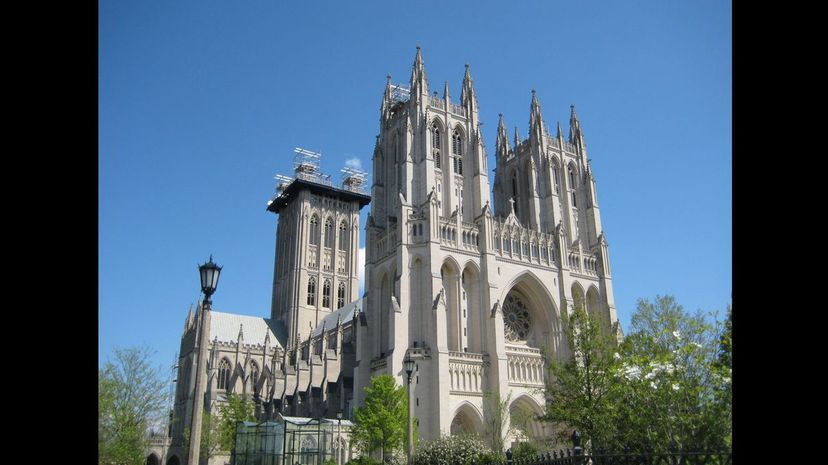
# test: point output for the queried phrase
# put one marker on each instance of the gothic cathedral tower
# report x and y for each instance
(317, 242)
(475, 291)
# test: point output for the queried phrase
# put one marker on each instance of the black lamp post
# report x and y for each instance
(209, 273)
(410, 366)
(338, 448)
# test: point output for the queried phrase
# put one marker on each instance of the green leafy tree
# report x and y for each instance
(496, 425)
(581, 389)
(218, 432)
(132, 396)
(671, 385)
(381, 423)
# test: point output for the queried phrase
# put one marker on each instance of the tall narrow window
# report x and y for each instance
(326, 294)
(557, 181)
(515, 193)
(312, 291)
(457, 152)
(435, 144)
(314, 230)
(572, 186)
(224, 374)
(329, 233)
(254, 376)
(343, 236)
(340, 296)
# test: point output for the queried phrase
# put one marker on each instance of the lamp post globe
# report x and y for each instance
(209, 273)
(409, 365)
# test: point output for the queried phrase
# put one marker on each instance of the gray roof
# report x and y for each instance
(225, 328)
(329, 322)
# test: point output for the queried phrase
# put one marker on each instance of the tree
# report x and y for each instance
(581, 388)
(218, 432)
(382, 422)
(495, 419)
(674, 388)
(132, 398)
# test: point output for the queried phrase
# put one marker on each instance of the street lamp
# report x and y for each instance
(209, 273)
(410, 366)
(338, 436)
(209, 279)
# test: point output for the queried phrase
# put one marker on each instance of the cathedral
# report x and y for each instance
(470, 278)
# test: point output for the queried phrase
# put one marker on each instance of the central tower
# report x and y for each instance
(475, 291)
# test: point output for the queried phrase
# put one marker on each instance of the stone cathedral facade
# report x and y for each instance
(470, 276)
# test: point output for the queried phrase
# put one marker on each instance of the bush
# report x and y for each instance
(453, 450)
(525, 451)
(364, 460)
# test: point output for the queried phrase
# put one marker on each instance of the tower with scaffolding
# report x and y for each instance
(317, 244)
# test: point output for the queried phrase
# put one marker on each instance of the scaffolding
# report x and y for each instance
(353, 179)
(306, 166)
(400, 93)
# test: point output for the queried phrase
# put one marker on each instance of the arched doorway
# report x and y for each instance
(523, 413)
(153, 459)
(173, 460)
(467, 420)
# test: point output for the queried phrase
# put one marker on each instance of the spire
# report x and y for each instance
(502, 144)
(574, 125)
(467, 96)
(517, 137)
(241, 332)
(560, 131)
(419, 82)
(385, 108)
(446, 95)
(535, 118)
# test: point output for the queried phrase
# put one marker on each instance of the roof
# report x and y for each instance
(347, 313)
(293, 189)
(306, 421)
(225, 328)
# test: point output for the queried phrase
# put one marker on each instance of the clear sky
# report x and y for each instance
(202, 102)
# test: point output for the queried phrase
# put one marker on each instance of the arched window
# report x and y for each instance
(224, 374)
(254, 376)
(457, 152)
(329, 233)
(435, 143)
(326, 294)
(456, 145)
(314, 230)
(312, 291)
(515, 192)
(340, 296)
(184, 379)
(343, 236)
(556, 179)
(572, 186)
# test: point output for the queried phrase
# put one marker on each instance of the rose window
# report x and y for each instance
(516, 319)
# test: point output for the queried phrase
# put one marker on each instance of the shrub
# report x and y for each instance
(452, 450)
(364, 460)
(525, 451)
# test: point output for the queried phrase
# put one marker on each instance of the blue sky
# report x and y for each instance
(202, 102)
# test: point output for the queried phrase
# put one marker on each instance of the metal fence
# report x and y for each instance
(576, 456)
